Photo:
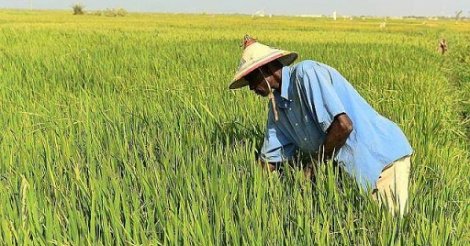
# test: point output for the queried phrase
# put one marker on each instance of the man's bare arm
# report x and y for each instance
(336, 135)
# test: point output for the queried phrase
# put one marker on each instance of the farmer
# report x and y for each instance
(443, 46)
(315, 110)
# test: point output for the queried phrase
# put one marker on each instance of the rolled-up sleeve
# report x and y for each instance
(276, 147)
(321, 95)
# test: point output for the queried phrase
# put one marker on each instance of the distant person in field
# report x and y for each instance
(315, 110)
(443, 46)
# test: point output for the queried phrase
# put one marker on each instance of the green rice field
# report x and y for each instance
(122, 131)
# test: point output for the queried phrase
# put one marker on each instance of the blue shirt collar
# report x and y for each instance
(285, 82)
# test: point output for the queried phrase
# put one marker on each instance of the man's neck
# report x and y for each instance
(278, 80)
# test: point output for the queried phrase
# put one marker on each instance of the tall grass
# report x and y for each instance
(124, 132)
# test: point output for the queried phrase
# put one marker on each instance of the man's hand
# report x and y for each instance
(336, 135)
(271, 167)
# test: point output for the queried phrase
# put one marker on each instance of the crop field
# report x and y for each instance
(122, 131)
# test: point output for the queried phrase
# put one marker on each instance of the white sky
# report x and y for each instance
(289, 7)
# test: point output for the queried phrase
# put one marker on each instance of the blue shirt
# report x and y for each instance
(311, 95)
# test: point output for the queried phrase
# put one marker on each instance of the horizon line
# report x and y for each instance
(265, 15)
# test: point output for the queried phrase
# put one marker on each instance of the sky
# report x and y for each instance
(275, 7)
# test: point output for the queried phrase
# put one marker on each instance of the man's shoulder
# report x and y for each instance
(303, 66)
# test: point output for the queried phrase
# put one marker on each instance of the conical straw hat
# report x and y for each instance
(256, 55)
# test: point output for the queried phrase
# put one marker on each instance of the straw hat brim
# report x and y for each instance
(285, 57)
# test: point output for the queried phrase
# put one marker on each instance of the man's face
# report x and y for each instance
(258, 80)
